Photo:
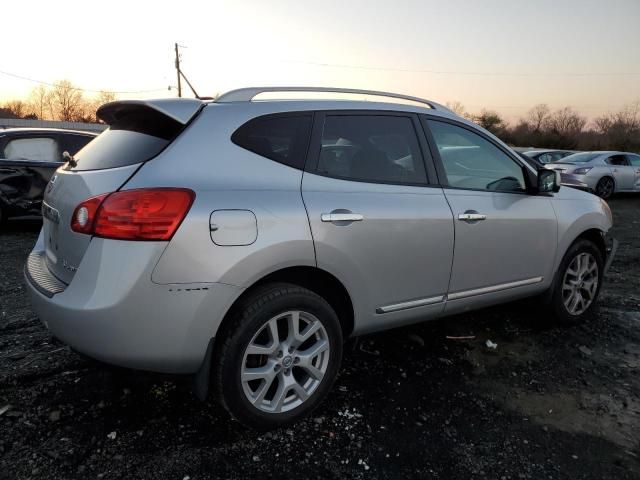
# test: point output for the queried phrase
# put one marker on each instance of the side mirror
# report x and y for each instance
(548, 180)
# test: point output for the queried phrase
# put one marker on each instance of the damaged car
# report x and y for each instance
(28, 159)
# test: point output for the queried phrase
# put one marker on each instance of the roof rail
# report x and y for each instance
(248, 94)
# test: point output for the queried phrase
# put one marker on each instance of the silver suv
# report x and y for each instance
(242, 241)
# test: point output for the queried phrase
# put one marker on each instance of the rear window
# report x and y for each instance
(135, 137)
(283, 138)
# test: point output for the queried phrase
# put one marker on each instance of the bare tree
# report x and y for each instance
(538, 116)
(491, 120)
(565, 122)
(15, 108)
(66, 101)
(621, 129)
(39, 102)
(457, 108)
(91, 105)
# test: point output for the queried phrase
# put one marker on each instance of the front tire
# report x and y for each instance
(280, 355)
(577, 283)
(605, 187)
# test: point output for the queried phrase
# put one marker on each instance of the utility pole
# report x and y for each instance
(178, 71)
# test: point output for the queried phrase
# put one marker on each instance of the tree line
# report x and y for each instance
(564, 128)
(542, 127)
(60, 101)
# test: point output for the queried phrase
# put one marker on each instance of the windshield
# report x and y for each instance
(578, 158)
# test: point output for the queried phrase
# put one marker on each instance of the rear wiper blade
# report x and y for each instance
(69, 159)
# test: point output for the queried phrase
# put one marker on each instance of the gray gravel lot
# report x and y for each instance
(548, 402)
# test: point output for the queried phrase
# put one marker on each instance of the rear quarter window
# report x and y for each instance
(282, 138)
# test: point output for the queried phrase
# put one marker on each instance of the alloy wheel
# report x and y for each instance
(285, 362)
(605, 187)
(580, 283)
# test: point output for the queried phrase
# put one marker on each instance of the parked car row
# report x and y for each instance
(601, 172)
(544, 155)
(604, 172)
(28, 159)
(242, 241)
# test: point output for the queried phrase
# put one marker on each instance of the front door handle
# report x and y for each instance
(471, 216)
(341, 217)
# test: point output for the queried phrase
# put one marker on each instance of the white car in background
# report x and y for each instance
(605, 172)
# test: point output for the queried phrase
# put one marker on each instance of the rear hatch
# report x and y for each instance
(138, 131)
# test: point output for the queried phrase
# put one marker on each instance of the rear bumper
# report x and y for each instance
(113, 312)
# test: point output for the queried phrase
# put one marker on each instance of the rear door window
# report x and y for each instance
(371, 148)
(283, 138)
(35, 149)
(618, 160)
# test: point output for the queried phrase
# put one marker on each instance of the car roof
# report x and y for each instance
(27, 130)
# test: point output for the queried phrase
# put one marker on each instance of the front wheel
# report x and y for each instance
(279, 358)
(578, 283)
(605, 187)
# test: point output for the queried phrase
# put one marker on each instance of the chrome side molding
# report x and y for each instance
(457, 295)
(493, 288)
(411, 304)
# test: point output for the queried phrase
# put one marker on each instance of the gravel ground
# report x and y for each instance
(548, 402)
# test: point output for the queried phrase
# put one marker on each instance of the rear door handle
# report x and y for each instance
(471, 216)
(8, 170)
(341, 217)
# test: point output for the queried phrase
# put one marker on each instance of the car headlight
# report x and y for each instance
(582, 171)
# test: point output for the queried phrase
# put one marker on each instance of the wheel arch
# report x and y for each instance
(315, 279)
(594, 235)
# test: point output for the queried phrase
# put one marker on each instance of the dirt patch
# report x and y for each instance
(547, 402)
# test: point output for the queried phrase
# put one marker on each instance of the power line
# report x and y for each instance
(21, 77)
(453, 72)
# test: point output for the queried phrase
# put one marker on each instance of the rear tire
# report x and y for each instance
(279, 356)
(605, 187)
(577, 283)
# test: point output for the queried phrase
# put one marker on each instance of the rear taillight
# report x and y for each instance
(142, 214)
(85, 214)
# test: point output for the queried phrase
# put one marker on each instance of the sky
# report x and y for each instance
(504, 55)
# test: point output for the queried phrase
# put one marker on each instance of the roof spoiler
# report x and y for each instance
(180, 110)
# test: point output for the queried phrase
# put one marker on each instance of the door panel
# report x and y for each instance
(622, 172)
(395, 246)
(515, 242)
(505, 238)
(634, 160)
